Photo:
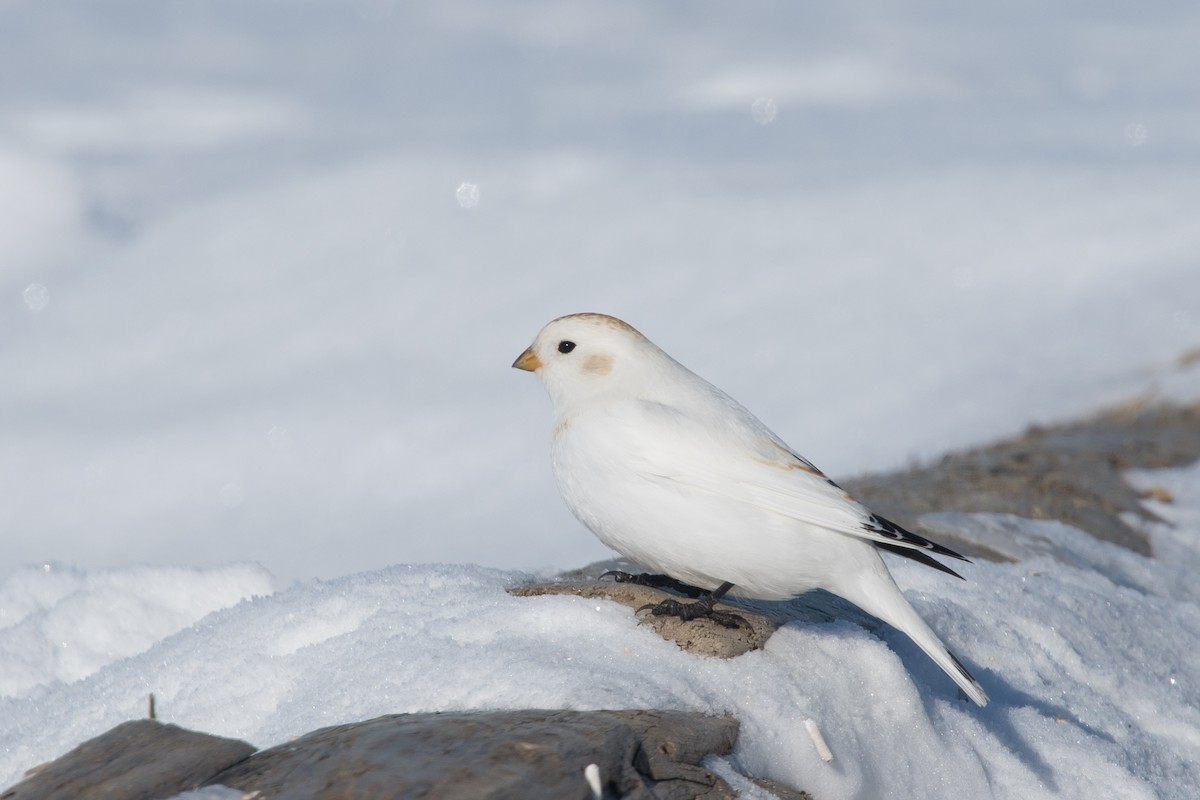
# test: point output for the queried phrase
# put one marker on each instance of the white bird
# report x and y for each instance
(674, 474)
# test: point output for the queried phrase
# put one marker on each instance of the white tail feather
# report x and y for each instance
(878, 595)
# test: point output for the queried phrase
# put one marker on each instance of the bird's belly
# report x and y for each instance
(697, 537)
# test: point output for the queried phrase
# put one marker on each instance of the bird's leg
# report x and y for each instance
(701, 608)
(655, 581)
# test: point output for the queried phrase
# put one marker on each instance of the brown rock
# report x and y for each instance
(702, 636)
(1069, 472)
(139, 760)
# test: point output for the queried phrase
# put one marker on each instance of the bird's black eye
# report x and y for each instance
(565, 346)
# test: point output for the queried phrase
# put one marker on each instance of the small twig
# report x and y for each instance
(818, 740)
(591, 774)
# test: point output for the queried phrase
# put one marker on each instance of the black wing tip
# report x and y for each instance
(907, 540)
(920, 556)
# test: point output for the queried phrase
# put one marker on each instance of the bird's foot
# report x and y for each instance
(654, 581)
(689, 611)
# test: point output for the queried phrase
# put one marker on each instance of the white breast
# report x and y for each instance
(695, 536)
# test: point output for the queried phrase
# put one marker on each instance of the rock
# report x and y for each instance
(780, 791)
(497, 754)
(1069, 472)
(702, 636)
(139, 760)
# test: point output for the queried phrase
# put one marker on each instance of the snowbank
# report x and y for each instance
(1091, 669)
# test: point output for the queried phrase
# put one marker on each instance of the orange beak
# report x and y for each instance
(528, 361)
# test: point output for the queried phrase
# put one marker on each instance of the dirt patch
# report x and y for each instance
(1070, 472)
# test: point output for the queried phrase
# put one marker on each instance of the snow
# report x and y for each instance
(216, 792)
(263, 269)
(60, 623)
(1086, 649)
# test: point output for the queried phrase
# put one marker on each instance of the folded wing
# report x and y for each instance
(743, 461)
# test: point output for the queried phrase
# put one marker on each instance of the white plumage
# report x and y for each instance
(674, 474)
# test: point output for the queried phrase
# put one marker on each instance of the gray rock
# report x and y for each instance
(498, 754)
(139, 760)
(1070, 472)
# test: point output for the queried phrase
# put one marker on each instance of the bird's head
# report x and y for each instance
(581, 357)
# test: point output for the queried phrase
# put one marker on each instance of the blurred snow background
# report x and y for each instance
(246, 312)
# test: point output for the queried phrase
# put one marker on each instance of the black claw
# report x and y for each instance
(702, 608)
(689, 611)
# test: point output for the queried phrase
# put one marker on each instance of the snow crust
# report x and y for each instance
(59, 623)
(1090, 665)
